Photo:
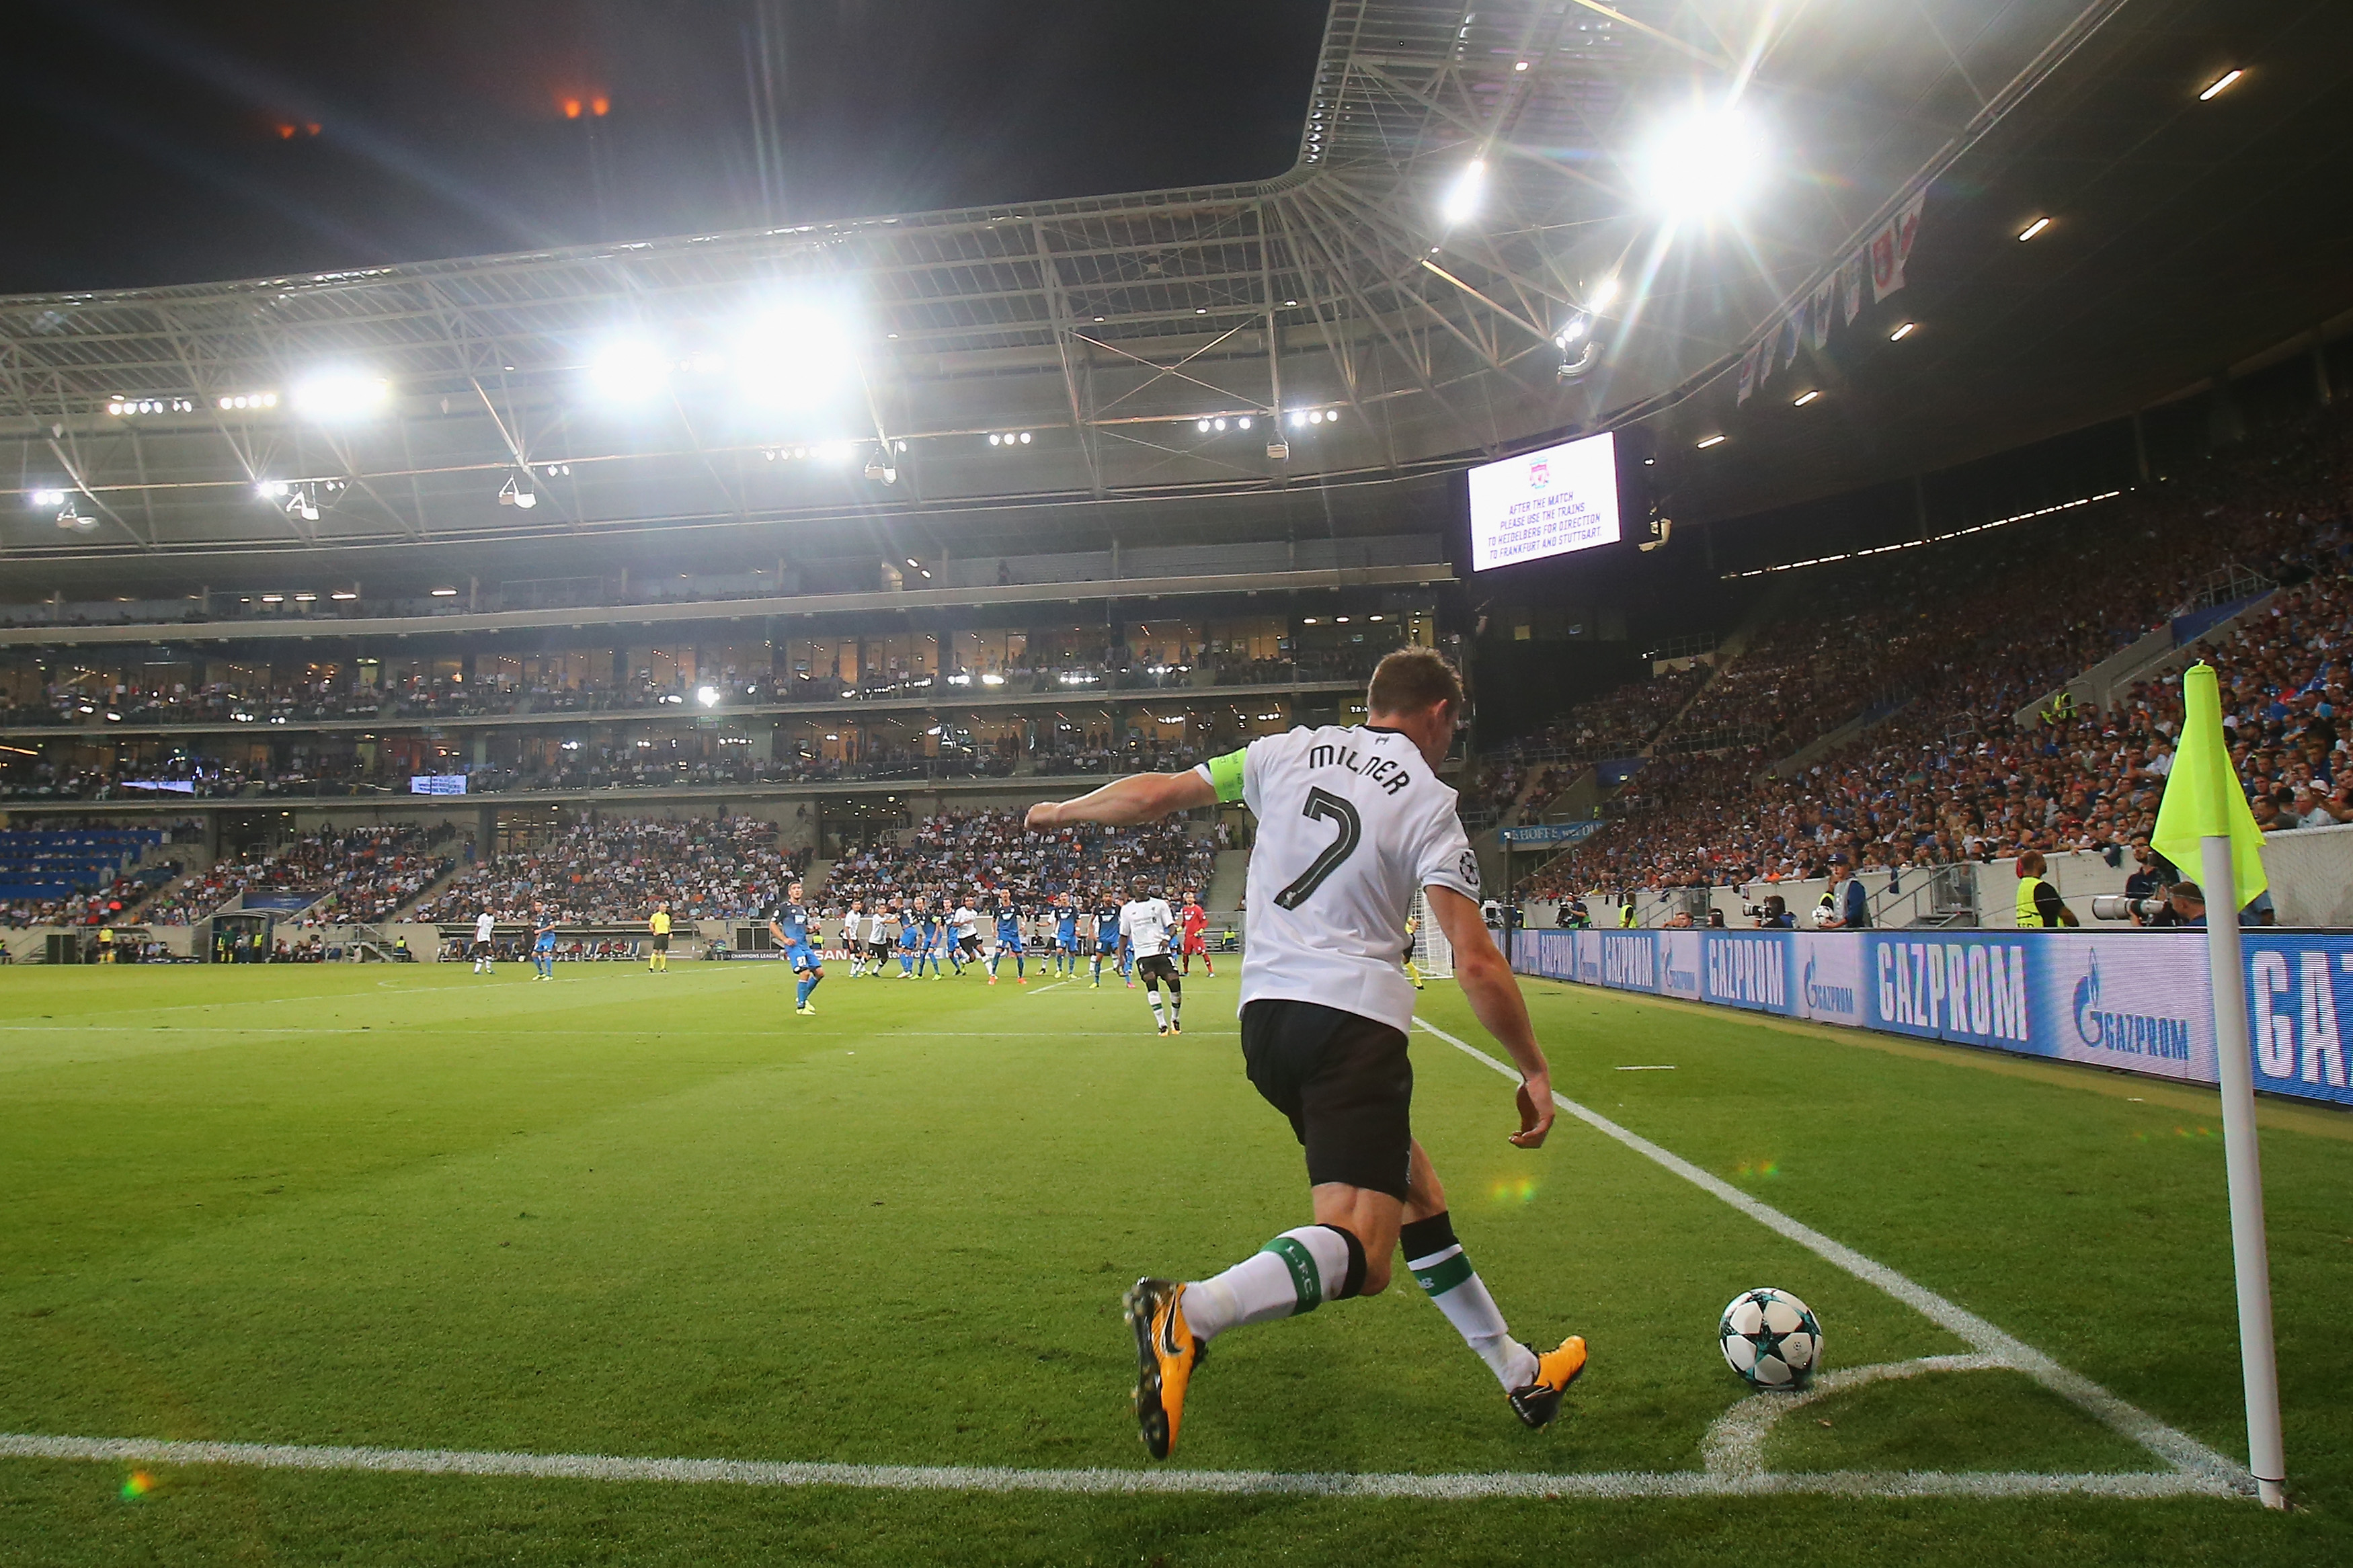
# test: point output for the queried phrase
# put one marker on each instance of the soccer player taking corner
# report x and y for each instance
(1351, 821)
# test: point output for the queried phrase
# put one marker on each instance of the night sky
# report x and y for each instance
(183, 142)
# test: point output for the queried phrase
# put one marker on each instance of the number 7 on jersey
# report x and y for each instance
(1324, 806)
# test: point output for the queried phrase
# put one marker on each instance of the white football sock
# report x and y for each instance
(1445, 1275)
(1296, 1272)
(1153, 997)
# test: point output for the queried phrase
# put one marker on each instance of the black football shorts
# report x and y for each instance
(1345, 1083)
(1156, 966)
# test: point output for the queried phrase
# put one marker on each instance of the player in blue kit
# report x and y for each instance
(934, 932)
(1107, 937)
(543, 944)
(1008, 940)
(911, 943)
(788, 924)
(1066, 939)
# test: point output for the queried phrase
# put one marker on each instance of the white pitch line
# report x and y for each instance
(1056, 986)
(2176, 1447)
(1099, 1482)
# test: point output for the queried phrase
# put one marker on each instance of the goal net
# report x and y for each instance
(1432, 953)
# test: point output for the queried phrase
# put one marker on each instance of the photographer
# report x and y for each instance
(2152, 873)
(2188, 902)
(1774, 915)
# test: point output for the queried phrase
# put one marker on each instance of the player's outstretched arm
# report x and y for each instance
(1126, 802)
(1493, 993)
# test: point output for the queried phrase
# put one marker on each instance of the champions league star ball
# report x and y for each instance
(1771, 1338)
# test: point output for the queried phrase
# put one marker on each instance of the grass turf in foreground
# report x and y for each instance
(658, 1215)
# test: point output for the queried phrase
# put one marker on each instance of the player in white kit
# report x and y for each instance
(484, 926)
(1351, 821)
(1145, 922)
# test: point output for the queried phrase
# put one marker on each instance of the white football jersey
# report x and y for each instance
(1145, 922)
(1351, 824)
(872, 930)
(966, 921)
(483, 926)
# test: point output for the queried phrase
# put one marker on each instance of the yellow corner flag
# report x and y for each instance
(2202, 798)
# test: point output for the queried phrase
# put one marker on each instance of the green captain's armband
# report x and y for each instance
(1226, 774)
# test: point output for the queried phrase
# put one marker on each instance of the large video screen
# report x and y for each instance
(1553, 502)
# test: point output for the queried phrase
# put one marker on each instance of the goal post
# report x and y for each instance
(1432, 953)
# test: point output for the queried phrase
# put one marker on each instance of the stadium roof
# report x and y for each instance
(1095, 337)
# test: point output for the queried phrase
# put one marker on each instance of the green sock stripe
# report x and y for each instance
(1304, 1279)
(1439, 1277)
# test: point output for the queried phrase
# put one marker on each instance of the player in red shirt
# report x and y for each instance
(1193, 922)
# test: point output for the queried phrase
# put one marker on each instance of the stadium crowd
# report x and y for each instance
(1617, 722)
(989, 855)
(1945, 644)
(353, 874)
(612, 871)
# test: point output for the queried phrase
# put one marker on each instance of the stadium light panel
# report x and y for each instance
(629, 370)
(1702, 164)
(2031, 230)
(1706, 441)
(1903, 332)
(445, 592)
(797, 356)
(2220, 84)
(48, 497)
(1462, 197)
(337, 396)
(1807, 396)
(707, 695)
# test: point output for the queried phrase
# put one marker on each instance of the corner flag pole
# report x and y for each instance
(2204, 804)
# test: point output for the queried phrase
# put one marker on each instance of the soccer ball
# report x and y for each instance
(1770, 1338)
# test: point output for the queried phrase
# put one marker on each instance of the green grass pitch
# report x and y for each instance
(635, 1214)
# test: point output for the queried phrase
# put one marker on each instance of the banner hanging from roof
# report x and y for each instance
(1879, 262)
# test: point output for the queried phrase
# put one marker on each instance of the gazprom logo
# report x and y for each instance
(2125, 1033)
(1823, 998)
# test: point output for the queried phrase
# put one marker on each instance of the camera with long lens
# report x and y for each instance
(2117, 907)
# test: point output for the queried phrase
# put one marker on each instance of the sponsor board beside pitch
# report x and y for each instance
(2134, 1001)
(2299, 1005)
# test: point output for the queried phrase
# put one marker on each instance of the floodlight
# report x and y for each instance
(707, 695)
(48, 497)
(339, 395)
(1603, 293)
(1903, 332)
(2220, 84)
(1701, 165)
(1461, 202)
(1806, 396)
(445, 592)
(795, 356)
(1202, 426)
(629, 370)
(2031, 230)
(1706, 441)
